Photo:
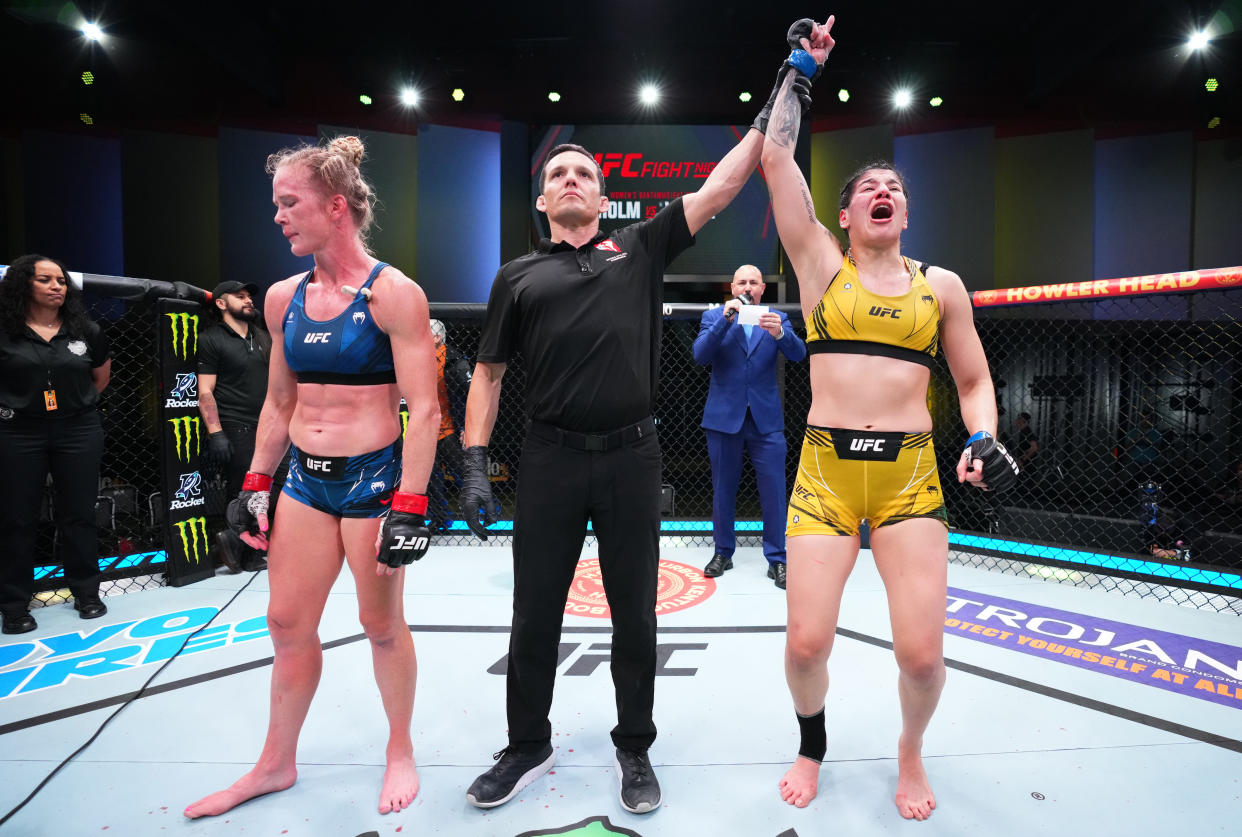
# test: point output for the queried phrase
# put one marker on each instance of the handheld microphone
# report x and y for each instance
(743, 298)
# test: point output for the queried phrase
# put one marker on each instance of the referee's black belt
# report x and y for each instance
(606, 440)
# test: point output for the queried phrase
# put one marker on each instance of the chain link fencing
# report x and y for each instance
(1133, 482)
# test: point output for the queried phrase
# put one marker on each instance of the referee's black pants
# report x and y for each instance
(70, 449)
(559, 490)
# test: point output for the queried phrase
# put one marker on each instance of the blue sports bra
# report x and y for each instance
(349, 349)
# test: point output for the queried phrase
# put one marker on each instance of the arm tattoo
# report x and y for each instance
(810, 207)
(786, 116)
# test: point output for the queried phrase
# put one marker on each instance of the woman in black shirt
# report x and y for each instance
(54, 362)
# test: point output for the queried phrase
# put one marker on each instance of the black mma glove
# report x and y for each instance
(801, 83)
(247, 512)
(219, 448)
(404, 537)
(1000, 471)
(476, 491)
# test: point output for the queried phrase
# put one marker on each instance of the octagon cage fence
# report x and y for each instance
(1130, 401)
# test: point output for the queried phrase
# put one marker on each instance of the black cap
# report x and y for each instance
(232, 286)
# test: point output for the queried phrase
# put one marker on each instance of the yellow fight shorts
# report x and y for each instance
(847, 476)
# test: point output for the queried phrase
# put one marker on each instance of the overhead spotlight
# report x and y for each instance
(86, 118)
(744, 96)
(902, 98)
(88, 78)
(553, 96)
(365, 99)
(92, 32)
(936, 101)
(1198, 40)
(409, 97)
(1214, 122)
(458, 94)
(649, 95)
(1211, 84)
(843, 94)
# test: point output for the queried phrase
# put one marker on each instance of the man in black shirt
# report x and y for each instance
(585, 312)
(232, 383)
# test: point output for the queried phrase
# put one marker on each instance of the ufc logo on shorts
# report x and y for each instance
(317, 337)
(324, 465)
(414, 543)
(867, 444)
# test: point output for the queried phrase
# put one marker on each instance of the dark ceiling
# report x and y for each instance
(1112, 66)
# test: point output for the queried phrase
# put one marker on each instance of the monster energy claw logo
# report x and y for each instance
(192, 531)
(183, 326)
(187, 427)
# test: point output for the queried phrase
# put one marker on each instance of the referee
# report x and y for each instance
(232, 383)
(584, 310)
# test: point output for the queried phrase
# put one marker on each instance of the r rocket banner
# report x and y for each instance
(1191, 666)
(181, 438)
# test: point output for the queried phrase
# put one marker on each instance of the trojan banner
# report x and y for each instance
(1158, 283)
(181, 442)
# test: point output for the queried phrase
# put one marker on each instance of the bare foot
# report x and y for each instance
(400, 785)
(255, 783)
(914, 794)
(801, 782)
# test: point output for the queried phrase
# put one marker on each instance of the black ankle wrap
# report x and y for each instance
(814, 736)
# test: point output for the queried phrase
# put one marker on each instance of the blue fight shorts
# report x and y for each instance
(345, 486)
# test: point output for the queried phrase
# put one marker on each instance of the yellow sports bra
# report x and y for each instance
(852, 320)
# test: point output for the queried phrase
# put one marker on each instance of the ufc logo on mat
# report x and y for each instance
(876, 445)
(317, 337)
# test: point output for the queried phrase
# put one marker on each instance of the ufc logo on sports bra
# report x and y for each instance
(877, 311)
(876, 445)
(317, 337)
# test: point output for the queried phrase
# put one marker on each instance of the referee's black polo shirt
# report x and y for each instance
(587, 322)
(240, 366)
(29, 363)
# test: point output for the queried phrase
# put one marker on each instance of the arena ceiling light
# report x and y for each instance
(409, 97)
(88, 78)
(1214, 122)
(365, 99)
(1198, 40)
(649, 95)
(744, 96)
(843, 94)
(91, 31)
(458, 94)
(935, 101)
(902, 98)
(553, 96)
(1210, 85)
(86, 119)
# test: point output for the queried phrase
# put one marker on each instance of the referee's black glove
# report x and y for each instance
(476, 491)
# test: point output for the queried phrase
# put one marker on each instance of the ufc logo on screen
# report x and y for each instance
(317, 337)
(867, 444)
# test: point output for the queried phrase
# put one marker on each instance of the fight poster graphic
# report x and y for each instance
(181, 442)
(1191, 666)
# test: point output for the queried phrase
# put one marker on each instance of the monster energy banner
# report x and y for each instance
(181, 435)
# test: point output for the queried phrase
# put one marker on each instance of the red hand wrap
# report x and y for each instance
(404, 501)
(256, 482)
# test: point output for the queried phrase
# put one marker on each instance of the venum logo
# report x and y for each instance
(867, 444)
(378, 485)
(317, 337)
(186, 433)
(878, 311)
(184, 393)
(189, 493)
(359, 318)
(184, 334)
(193, 532)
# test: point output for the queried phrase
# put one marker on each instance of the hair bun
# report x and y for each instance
(350, 148)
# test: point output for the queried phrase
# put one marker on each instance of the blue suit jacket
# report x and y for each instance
(743, 372)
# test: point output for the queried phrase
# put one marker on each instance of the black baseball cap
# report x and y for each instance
(232, 286)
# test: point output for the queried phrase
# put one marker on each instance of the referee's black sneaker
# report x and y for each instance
(776, 572)
(512, 772)
(640, 791)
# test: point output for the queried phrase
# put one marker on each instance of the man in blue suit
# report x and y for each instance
(743, 412)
